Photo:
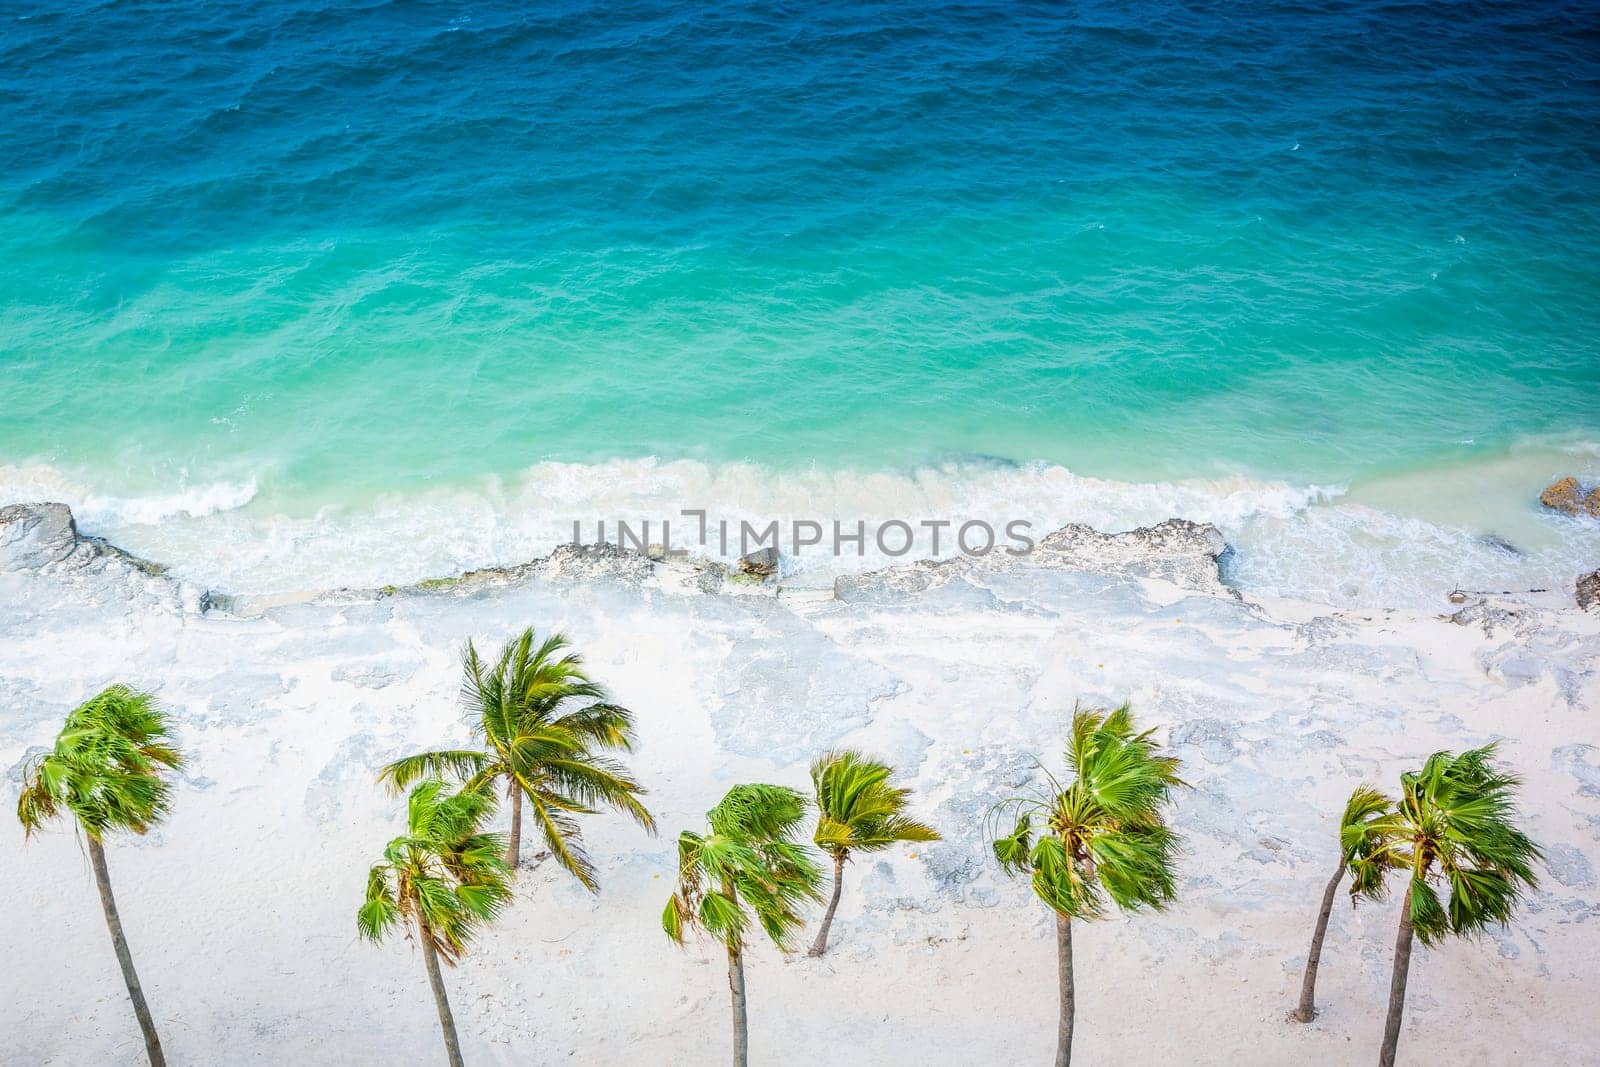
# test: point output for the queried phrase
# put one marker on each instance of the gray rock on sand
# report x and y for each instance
(1569, 497)
(567, 563)
(36, 536)
(1589, 591)
(44, 539)
(1178, 551)
(762, 563)
(1491, 617)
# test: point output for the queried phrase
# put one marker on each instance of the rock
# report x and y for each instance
(1495, 541)
(762, 563)
(1178, 551)
(1490, 617)
(1568, 496)
(1579, 761)
(1589, 590)
(568, 563)
(592, 562)
(374, 675)
(35, 535)
(357, 760)
(898, 583)
(601, 561)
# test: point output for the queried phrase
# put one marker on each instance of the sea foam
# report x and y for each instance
(1328, 544)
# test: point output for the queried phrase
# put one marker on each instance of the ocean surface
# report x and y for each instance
(296, 294)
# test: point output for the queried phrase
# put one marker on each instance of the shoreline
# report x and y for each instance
(960, 676)
(1196, 556)
(1405, 540)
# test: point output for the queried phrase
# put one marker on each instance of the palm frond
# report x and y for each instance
(1013, 849)
(444, 876)
(859, 807)
(1104, 834)
(749, 868)
(1453, 824)
(460, 764)
(107, 766)
(561, 837)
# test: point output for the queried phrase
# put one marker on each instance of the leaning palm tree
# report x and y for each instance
(106, 771)
(544, 724)
(443, 879)
(1357, 839)
(1454, 825)
(1102, 836)
(858, 811)
(748, 864)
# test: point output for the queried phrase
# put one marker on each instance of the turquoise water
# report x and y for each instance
(291, 261)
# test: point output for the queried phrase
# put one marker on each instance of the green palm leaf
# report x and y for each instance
(1101, 835)
(747, 868)
(545, 727)
(860, 810)
(444, 878)
(107, 767)
(1453, 829)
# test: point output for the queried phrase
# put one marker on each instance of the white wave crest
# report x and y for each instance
(1314, 542)
(100, 508)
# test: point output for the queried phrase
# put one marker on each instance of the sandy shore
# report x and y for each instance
(241, 909)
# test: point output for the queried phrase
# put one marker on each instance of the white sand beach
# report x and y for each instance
(241, 908)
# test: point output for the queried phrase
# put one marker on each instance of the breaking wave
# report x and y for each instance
(1325, 543)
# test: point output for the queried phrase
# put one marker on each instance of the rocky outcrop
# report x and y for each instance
(1570, 498)
(1589, 591)
(36, 537)
(572, 563)
(1492, 616)
(1178, 551)
(44, 539)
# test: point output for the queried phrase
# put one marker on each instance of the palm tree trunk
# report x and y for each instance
(741, 1025)
(1308, 986)
(102, 879)
(514, 845)
(1397, 985)
(447, 1021)
(820, 945)
(1068, 991)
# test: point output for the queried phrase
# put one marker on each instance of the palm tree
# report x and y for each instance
(1356, 839)
(1454, 825)
(106, 771)
(543, 747)
(749, 863)
(858, 811)
(1103, 835)
(444, 879)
